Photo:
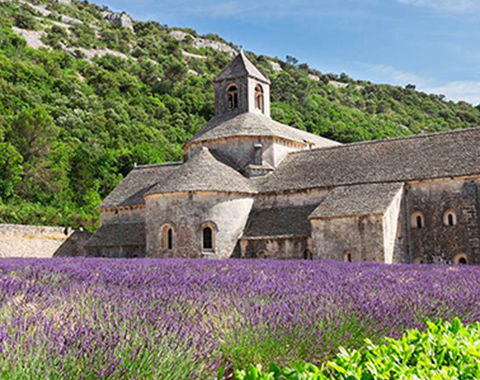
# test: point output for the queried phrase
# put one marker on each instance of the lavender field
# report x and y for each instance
(178, 319)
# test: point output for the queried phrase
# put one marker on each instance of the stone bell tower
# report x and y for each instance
(240, 88)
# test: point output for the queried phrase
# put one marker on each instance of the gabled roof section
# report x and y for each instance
(254, 124)
(202, 172)
(278, 221)
(437, 155)
(239, 67)
(357, 200)
(130, 191)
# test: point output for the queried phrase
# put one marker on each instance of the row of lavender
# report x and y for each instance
(105, 318)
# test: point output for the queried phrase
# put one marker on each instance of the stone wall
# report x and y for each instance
(117, 252)
(392, 232)
(435, 241)
(274, 248)
(361, 236)
(241, 151)
(39, 241)
(126, 215)
(187, 213)
(299, 198)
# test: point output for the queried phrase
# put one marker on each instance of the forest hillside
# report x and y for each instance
(86, 93)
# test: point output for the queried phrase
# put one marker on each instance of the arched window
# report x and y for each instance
(347, 256)
(418, 220)
(167, 237)
(232, 97)
(449, 218)
(259, 98)
(460, 258)
(208, 238)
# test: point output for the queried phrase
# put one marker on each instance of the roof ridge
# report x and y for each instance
(147, 166)
(393, 139)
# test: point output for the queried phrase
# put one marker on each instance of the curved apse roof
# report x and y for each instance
(202, 172)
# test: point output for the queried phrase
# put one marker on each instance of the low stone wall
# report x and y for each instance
(41, 241)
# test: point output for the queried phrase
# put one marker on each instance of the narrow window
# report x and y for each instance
(418, 220)
(449, 218)
(232, 97)
(167, 237)
(170, 238)
(259, 99)
(347, 256)
(207, 238)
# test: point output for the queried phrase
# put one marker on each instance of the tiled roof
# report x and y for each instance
(355, 200)
(202, 172)
(254, 124)
(241, 66)
(279, 221)
(437, 155)
(131, 190)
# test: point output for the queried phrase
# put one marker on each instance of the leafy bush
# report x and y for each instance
(444, 351)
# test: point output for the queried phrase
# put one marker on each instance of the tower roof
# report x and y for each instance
(202, 172)
(252, 124)
(241, 66)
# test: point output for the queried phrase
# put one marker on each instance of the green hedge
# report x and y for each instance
(444, 351)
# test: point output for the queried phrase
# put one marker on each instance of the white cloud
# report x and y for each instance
(445, 5)
(468, 91)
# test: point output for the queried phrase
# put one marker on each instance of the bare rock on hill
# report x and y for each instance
(275, 66)
(118, 18)
(32, 37)
(200, 43)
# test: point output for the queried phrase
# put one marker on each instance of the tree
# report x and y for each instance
(33, 133)
(291, 60)
(10, 169)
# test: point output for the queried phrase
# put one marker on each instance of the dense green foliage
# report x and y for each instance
(73, 125)
(444, 351)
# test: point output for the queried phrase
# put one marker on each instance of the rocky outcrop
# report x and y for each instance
(32, 37)
(200, 43)
(275, 66)
(191, 55)
(118, 18)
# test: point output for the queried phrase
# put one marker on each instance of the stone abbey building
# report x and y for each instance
(252, 187)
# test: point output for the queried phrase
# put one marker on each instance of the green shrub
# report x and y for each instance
(444, 351)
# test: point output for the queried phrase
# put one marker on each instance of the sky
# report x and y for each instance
(433, 44)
